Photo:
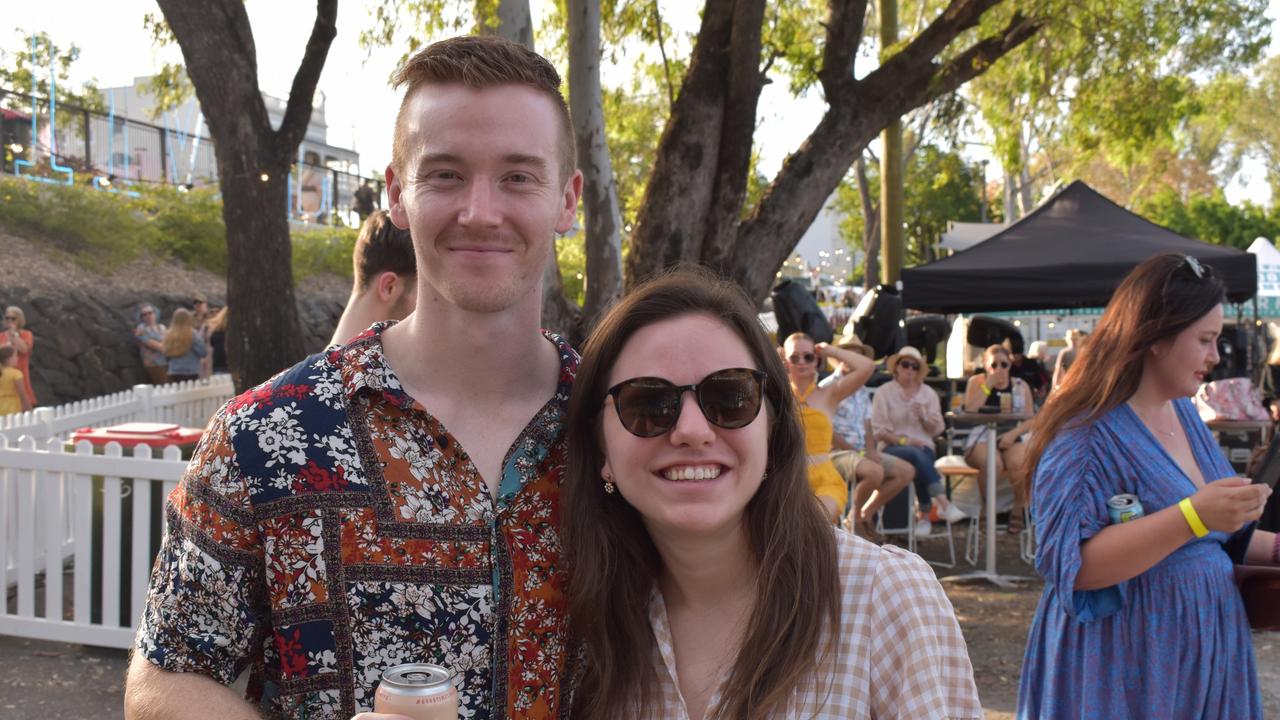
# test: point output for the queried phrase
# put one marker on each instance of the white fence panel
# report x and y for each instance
(190, 403)
(51, 494)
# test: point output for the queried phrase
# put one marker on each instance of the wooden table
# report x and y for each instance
(992, 421)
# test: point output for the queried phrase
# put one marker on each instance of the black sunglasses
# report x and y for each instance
(1000, 365)
(650, 406)
(801, 358)
(908, 365)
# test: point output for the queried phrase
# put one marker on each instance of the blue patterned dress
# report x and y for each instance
(1171, 643)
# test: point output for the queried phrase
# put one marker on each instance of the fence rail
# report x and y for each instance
(190, 403)
(76, 571)
(79, 525)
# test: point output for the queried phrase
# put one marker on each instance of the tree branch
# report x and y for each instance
(974, 61)
(844, 34)
(293, 128)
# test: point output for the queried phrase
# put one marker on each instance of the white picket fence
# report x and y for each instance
(67, 514)
(189, 403)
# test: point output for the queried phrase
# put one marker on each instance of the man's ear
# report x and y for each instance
(387, 285)
(395, 205)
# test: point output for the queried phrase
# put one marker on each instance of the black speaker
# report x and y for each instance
(796, 310)
(878, 320)
(985, 331)
(927, 332)
(1233, 353)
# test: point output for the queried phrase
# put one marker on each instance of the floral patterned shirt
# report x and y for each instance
(329, 528)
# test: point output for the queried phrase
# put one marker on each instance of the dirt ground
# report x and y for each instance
(55, 681)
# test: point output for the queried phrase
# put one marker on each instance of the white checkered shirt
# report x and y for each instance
(900, 653)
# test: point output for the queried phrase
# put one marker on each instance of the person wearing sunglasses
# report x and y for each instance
(706, 581)
(993, 388)
(17, 336)
(149, 337)
(876, 478)
(817, 406)
(906, 416)
(1140, 616)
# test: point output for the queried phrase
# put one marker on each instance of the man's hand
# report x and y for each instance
(1007, 440)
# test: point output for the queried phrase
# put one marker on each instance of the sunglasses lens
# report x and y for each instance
(647, 407)
(908, 366)
(730, 398)
(802, 358)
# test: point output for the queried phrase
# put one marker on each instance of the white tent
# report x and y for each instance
(1268, 277)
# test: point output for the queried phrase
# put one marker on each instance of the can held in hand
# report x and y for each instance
(1123, 508)
(1006, 401)
(419, 691)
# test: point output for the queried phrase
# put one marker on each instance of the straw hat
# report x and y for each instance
(907, 351)
(850, 341)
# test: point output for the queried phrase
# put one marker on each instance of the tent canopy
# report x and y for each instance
(1071, 252)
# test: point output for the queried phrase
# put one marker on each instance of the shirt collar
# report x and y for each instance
(363, 365)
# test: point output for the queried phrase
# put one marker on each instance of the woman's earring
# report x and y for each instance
(609, 487)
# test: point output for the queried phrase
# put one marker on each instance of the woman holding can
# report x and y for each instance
(1142, 618)
(705, 581)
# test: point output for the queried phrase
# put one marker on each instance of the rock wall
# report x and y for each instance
(84, 344)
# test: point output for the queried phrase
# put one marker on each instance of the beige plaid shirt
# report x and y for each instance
(900, 652)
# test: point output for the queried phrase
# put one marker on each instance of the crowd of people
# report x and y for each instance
(193, 344)
(650, 529)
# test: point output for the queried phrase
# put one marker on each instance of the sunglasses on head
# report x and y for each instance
(909, 365)
(1195, 268)
(650, 406)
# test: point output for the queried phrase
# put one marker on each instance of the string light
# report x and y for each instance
(16, 148)
(265, 177)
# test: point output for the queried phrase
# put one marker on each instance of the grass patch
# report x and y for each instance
(100, 229)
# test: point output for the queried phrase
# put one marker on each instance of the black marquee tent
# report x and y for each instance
(1071, 252)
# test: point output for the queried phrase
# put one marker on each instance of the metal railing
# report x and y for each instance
(116, 153)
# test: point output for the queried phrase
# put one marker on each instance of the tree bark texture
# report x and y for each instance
(870, 226)
(599, 191)
(264, 335)
(559, 315)
(692, 211)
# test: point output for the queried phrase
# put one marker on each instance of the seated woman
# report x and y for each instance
(985, 389)
(906, 416)
(876, 478)
(817, 406)
(706, 582)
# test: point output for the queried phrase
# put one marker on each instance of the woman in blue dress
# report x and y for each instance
(1142, 619)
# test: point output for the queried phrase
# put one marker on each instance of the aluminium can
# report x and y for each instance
(417, 690)
(1123, 508)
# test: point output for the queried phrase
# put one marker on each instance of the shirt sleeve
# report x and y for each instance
(1070, 506)
(881, 424)
(919, 661)
(206, 606)
(934, 423)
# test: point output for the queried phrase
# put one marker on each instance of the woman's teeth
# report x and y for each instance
(709, 472)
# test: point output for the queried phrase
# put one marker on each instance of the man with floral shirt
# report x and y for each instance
(391, 501)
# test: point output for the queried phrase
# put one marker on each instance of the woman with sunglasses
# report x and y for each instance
(17, 336)
(704, 580)
(990, 389)
(906, 416)
(817, 406)
(1140, 615)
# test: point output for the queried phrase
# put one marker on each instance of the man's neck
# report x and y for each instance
(496, 357)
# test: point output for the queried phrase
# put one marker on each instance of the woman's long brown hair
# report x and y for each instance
(181, 334)
(612, 561)
(1157, 300)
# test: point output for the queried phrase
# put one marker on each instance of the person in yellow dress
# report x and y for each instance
(802, 358)
(12, 397)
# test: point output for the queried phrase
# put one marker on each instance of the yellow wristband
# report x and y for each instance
(1193, 518)
(986, 390)
(902, 439)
